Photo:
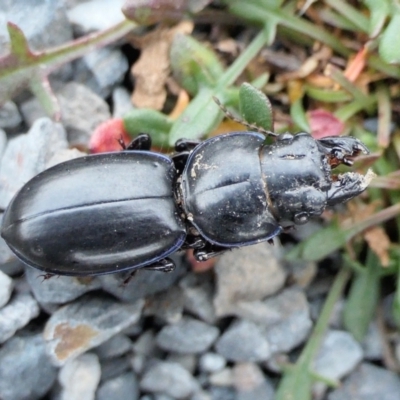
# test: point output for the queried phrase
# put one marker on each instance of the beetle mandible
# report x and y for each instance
(127, 210)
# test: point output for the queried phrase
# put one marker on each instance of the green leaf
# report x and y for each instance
(299, 116)
(193, 64)
(295, 384)
(379, 11)
(389, 48)
(200, 117)
(362, 300)
(255, 107)
(145, 120)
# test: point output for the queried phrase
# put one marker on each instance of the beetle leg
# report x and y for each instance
(183, 147)
(209, 251)
(164, 265)
(141, 142)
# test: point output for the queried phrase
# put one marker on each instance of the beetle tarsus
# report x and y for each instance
(164, 265)
(209, 251)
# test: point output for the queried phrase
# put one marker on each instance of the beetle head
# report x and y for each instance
(298, 175)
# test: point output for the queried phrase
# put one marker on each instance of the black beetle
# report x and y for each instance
(113, 212)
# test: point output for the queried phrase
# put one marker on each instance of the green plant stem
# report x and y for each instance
(82, 46)
(351, 13)
(237, 67)
(296, 383)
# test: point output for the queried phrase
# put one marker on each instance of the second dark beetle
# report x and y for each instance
(120, 211)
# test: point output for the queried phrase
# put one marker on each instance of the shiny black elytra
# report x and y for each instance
(126, 210)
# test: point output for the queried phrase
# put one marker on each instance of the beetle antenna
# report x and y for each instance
(253, 127)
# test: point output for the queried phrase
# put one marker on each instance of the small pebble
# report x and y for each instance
(247, 274)
(86, 323)
(16, 314)
(123, 387)
(115, 367)
(95, 15)
(25, 369)
(187, 336)
(372, 344)
(143, 283)
(6, 287)
(187, 361)
(10, 117)
(166, 305)
(251, 384)
(243, 341)
(121, 100)
(368, 382)
(211, 362)
(198, 296)
(59, 289)
(284, 318)
(170, 379)
(101, 70)
(82, 111)
(26, 155)
(339, 354)
(224, 377)
(80, 377)
(116, 346)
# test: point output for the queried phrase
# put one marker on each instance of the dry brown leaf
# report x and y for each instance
(379, 243)
(152, 69)
(181, 104)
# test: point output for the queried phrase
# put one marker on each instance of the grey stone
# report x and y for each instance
(211, 362)
(198, 296)
(187, 361)
(64, 155)
(188, 336)
(251, 384)
(101, 70)
(121, 100)
(116, 346)
(201, 395)
(243, 341)
(80, 377)
(124, 387)
(82, 111)
(284, 318)
(95, 15)
(143, 283)
(368, 382)
(27, 155)
(247, 274)
(224, 377)
(25, 369)
(86, 323)
(338, 356)
(3, 142)
(114, 367)
(10, 117)
(170, 379)
(166, 305)
(16, 314)
(146, 344)
(6, 287)
(44, 16)
(59, 289)
(373, 343)
(222, 393)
